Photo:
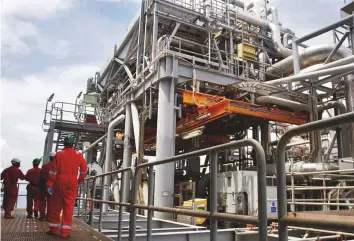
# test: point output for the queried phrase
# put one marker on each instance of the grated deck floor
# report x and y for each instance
(22, 229)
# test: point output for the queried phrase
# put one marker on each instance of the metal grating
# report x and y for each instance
(24, 229)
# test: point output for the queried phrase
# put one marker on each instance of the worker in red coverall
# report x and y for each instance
(63, 185)
(33, 176)
(10, 176)
(44, 197)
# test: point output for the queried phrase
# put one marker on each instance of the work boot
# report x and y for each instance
(35, 214)
(8, 216)
(41, 218)
(29, 216)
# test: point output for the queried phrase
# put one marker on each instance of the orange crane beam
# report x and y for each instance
(211, 107)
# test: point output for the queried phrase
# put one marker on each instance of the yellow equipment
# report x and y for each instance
(200, 205)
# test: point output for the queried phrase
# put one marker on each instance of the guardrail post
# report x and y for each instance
(133, 211)
(120, 214)
(213, 196)
(86, 196)
(151, 184)
(92, 208)
(101, 208)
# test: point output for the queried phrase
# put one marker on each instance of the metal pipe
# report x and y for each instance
(310, 56)
(150, 203)
(127, 154)
(136, 126)
(238, 3)
(280, 160)
(321, 204)
(213, 196)
(109, 157)
(263, 100)
(335, 25)
(349, 90)
(321, 188)
(314, 74)
(336, 48)
(330, 224)
(324, 172)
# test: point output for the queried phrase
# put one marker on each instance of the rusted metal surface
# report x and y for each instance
(21, 228)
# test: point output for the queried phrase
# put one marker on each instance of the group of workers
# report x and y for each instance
(51, 190)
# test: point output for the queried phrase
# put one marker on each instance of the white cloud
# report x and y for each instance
(23, 103)
(15, 34)
(38, 9)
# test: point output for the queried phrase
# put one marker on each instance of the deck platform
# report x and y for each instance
(22, 229)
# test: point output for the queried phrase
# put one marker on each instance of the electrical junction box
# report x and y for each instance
(246, 51)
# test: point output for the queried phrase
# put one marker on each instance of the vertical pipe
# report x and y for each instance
(92, 203)
(120, 214)
(348, 83)
(165, 146)
(265, 135)
(213, 195)
(292, 188)
(108, 160)
(150, 203)
(296, 58)
(133, 210)
(101, 211)
(127, 154)
(154, 34)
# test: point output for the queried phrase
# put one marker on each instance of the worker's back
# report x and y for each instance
(67, 163)
(33, 176)
(11, 175)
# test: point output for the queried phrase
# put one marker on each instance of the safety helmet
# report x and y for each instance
(36, 161)
(52, 154)
(69, 141)
(15, 161)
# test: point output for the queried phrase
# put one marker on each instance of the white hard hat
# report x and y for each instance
(52, 154)
(15, 160)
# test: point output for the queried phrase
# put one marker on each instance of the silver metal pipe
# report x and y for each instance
(349, 89)
(238, 3)
(328, 28)
(274, 12)
(213, 196)
(95, 143)
(310, 56)
(263, 100)
(127, 153)
(109, 156)
(280, 160)
(314, 74)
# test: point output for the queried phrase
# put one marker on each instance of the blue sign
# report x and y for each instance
(273, 208)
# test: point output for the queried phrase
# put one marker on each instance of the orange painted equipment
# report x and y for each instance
(33, 177)
(212, 107)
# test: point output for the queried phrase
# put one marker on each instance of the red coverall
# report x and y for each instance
(33, 176)
(10, 176)
(44, 196)
(63, 178)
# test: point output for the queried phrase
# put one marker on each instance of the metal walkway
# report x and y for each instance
(21, 228)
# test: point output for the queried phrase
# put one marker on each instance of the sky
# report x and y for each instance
(54, 46)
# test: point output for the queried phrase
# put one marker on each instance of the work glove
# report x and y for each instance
(50, 190)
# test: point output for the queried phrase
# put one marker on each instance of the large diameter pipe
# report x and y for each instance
(264, 100)
(280, 161)
(310, 75)
(127, 154)
(348, 83)
(310, 56)
(136, 126)
(109, 157)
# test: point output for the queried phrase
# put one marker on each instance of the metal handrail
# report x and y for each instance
(283, 218)
(213, 214)
(18, 187)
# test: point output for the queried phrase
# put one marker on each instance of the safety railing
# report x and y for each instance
(18, 188)
(333, 195)
(283, 218)
(213, 215)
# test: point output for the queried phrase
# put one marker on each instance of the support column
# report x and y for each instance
(49, 140)
(349, 90)
(265, 136)
(165, 145)
(127, 154)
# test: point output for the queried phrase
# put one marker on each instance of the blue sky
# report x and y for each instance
(55, 45)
